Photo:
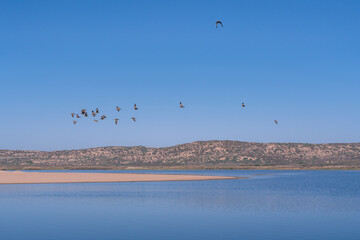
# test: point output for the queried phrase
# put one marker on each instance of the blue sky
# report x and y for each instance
(294, 61)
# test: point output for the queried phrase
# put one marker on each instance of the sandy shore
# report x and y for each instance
(19, 177)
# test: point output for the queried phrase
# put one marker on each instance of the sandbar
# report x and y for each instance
(20, 177)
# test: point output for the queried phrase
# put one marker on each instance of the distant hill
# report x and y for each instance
(202, 154)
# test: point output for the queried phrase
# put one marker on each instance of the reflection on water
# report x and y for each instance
(268, 205)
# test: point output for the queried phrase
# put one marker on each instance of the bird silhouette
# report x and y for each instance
(97, 110)
(116, 120)
(118, 109)
(134, 119)
(83, 111)
(72, 114)
(74, 122)
(103, 117)
(243, 104)
(135, 107)
(181, 105)
(276, 122)
(95, 120)
(93, 113)
(77, 116)
(85, 114)
(218, 22)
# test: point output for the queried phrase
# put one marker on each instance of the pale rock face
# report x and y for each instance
(202, 154)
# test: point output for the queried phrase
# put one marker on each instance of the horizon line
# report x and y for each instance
(77, 149)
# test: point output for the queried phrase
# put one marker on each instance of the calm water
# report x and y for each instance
(286, 205)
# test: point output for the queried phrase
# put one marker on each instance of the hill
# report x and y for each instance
(202, 154)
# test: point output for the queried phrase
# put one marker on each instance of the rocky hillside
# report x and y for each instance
(207, 154)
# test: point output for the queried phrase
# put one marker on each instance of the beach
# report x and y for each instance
(20, 177)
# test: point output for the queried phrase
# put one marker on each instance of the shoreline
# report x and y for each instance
(279, 167)
(20, 177)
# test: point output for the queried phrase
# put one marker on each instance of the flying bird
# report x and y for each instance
(95, 120)
(219, 22)
(83, 111)
(97, 110)
(103, 117)
(93, 113)
(77, 116)
(276, 122)
(74, 122)
(135, 107)
(116, 120)
(243, 104)
(118, 109)
(85, 114)
(72, 114)
(181, 105)
(134, 119)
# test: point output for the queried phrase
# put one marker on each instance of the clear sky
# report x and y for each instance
(294, 61)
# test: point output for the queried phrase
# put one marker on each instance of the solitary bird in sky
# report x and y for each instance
(95, 120)
(243, 104)
(116, 120)
(72, 114)
(97, 110)
(134, 119)
(74, 122)
(135, 107)
(93, 113)
(181, 105)
(219, 22)
(118, 109)
(77, 116)
(276, 122)
(103, 117)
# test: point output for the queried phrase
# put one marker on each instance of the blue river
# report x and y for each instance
(268, 205)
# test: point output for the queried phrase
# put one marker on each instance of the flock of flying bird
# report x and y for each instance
(102, 117)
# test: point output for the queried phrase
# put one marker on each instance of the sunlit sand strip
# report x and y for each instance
(19, 177)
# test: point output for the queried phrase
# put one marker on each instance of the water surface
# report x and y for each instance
(281, 205)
